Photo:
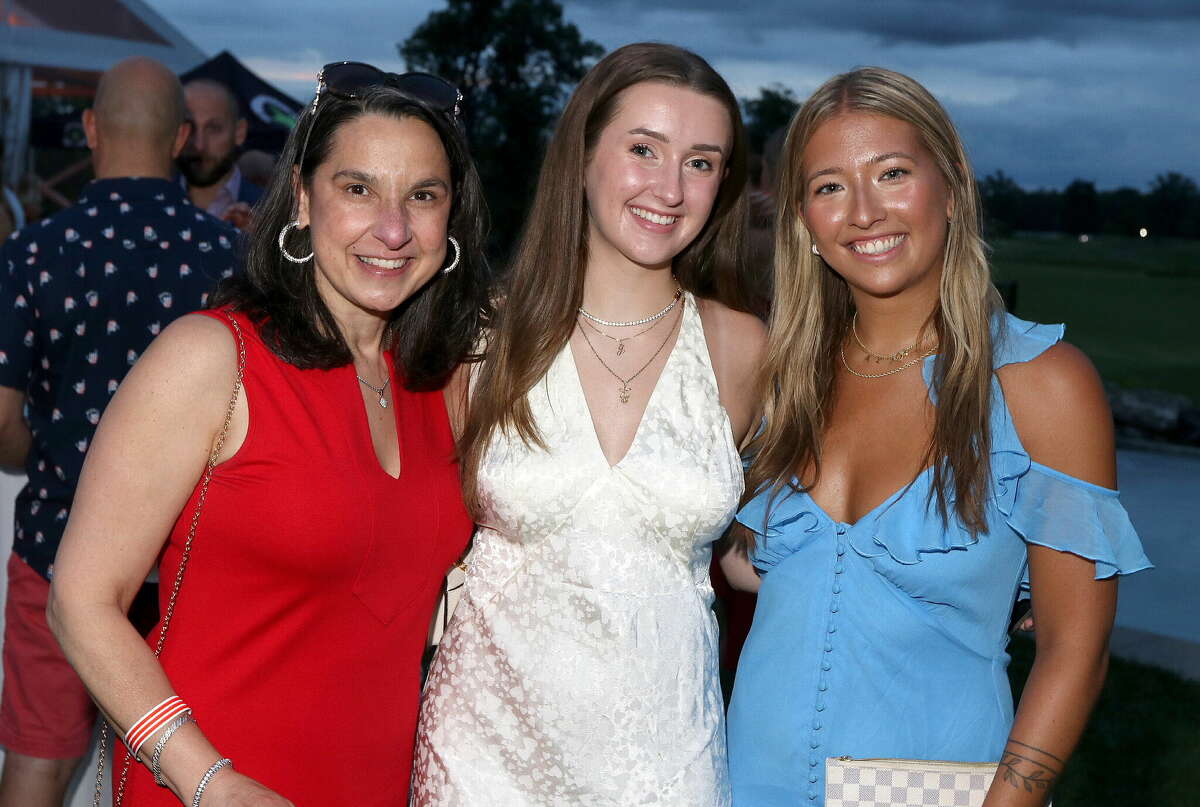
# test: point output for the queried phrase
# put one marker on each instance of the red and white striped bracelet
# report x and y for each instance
(151, 722)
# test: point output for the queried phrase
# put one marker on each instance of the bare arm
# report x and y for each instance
(15, 438)
(149, 450)
(737, 343)
(1062, 417)
(738, 571)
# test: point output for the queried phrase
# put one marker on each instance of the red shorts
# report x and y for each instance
(44, 710)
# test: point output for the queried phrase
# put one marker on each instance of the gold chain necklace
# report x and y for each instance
(899, 355)
(893, 371)
(624, 390)
(621, 340)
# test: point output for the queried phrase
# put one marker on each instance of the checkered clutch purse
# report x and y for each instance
(906, 783)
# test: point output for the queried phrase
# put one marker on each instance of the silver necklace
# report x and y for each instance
(377, 390)
(632, 323)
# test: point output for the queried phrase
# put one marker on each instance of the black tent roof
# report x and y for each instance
(271, 114)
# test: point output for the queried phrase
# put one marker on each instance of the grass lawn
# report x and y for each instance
(1132, 305)
(1142, 746)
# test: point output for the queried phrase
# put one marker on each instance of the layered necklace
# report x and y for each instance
(624, 391)
(632, 323)
(898, 356)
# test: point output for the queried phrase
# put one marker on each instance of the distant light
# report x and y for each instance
(1083, 239)
(1143, 232)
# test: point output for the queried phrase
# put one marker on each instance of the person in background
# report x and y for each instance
(209, 162)
(925, 457)
(81, 296)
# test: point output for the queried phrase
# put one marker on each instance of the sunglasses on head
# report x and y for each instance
(349, 80)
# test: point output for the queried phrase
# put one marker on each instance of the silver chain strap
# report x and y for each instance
(183, 561)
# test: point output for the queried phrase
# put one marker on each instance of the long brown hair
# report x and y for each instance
(544, 284)
(813, 308)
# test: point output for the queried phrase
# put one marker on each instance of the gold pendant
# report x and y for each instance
(624, 393)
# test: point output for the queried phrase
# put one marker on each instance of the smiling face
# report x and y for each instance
(654, 173)
(378, 207)
(876, 203)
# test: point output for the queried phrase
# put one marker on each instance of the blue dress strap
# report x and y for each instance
(1016, 340)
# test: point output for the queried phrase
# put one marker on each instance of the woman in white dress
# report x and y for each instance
(601, 461)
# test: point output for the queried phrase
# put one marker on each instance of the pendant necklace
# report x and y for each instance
(624, 390)
(383, 401)
(621, 340)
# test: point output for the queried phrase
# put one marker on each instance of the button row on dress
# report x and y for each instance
(814, 759)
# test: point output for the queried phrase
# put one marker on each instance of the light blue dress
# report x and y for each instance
(887, 637)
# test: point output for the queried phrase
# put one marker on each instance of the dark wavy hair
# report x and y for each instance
(431, 332)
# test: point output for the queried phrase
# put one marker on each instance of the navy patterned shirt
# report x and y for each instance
(81, 295)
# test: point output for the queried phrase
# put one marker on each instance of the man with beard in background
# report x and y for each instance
(209, 161)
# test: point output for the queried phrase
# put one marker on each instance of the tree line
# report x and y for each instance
(516, 62)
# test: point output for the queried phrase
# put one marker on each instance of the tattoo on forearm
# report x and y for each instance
(1029, 768)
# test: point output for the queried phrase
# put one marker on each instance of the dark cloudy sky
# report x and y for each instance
(1046, 90)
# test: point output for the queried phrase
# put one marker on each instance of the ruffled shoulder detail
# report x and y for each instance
(1067, 514)
(1015, 340)
(782, 524)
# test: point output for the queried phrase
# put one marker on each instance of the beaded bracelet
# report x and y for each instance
(174, 726)
(208, 775)
(151, 722)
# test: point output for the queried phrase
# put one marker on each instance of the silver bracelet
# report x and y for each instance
(208, 775)
(172, 727)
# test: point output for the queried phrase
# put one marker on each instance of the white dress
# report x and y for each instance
(580, 667)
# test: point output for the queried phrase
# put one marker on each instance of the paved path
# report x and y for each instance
(1162, 494)
(1158, 617)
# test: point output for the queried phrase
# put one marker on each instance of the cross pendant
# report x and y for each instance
(624, 393)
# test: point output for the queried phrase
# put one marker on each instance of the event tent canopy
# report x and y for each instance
(45, 42)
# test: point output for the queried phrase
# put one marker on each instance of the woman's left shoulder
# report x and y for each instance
(1061, 414)
(735, 339)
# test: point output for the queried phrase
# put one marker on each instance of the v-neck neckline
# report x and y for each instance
(891, 499)
(364, 420)
(577, 385)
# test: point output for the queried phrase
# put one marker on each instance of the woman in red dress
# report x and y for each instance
(333, 511)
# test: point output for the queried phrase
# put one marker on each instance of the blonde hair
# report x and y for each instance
(813, 308)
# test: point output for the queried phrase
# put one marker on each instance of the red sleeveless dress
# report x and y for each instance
(298, 633)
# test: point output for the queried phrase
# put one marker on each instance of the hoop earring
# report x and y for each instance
(282, 235)
(457, 254)
(816, 251)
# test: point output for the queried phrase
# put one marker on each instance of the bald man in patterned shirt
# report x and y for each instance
(82, 294)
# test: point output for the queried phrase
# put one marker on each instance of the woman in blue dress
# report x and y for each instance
(926, 457)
